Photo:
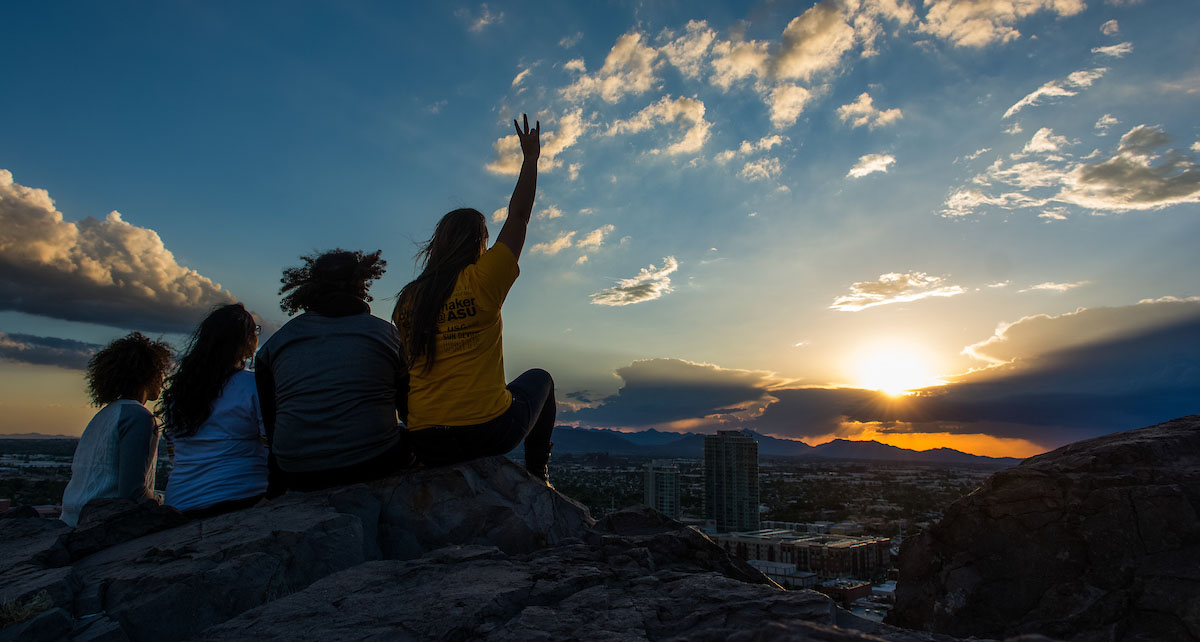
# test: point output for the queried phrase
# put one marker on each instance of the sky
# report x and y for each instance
(967, 224)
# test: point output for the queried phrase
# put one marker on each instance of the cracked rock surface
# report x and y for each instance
(1098, 540)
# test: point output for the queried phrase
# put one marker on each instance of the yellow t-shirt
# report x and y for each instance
(466, 385)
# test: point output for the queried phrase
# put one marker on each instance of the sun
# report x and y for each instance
(894, 370)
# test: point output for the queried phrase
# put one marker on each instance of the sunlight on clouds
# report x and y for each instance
(500, 215)
(976, 23)
(650, 283)
(787, 102)
(628, 69)
(1050, 286)
(733, 61)
(521, 77)
(595, 238)
(687, 51)
(508, 148)
(863, 112)
(1115, 51)
(477, 23)
(747, 147)
(550, 212)
(761, 169)
(550, 248)
(689, 112)
(814, 42)
(1044, 140)
(894, 287)
(1104, 123)
(1068, 86)
(871, 163)
(1110, 28)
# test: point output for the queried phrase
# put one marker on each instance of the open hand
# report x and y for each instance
(531, 144)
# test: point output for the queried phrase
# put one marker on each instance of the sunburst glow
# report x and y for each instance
(894, 370)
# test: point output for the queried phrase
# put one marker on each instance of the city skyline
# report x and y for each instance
(782, 218)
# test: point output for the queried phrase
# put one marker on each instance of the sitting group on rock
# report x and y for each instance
(337, 395)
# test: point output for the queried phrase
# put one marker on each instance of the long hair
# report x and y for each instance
(329, 273)
(126, 367)
(458, 241)
(224, 340)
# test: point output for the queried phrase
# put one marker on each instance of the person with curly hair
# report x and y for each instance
(212, 420)
(460, 407)
(331, 380)
(118, 450)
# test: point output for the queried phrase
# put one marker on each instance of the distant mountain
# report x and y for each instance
(34, 435)
(653, 443)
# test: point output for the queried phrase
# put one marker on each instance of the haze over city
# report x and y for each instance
(965, 224)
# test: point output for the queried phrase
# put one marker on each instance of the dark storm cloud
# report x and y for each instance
(46, 351)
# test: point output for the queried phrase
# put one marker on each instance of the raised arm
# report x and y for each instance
(520, 206)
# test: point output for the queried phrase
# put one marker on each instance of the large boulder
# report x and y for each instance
(1098, 540)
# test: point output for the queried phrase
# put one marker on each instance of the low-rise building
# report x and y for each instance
(828, 556)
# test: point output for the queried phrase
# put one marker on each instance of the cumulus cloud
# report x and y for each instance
(688, 112)
(687, 51)
(500, 215)
(1051, 286)
(733, 61)
(46, 351)
(814, 42)
(550, 212)
(628, 69)
(894, 287)
(1139, 176)
(1068, 86)
(863, 112)
(550, 248)
(477, 22)
(786, 103)
(1110, 28)
(508, 149)
(977, 23)
(1044, 140)
(1104, 123)
(762, 169)
(650, 283)
(1115, 51)
(595, 238)
(871, 163)
(748, 147)
(107, 271)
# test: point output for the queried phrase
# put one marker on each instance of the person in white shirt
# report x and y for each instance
(117, 453)
(213, 421)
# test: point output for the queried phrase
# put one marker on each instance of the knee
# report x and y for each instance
(543, 375)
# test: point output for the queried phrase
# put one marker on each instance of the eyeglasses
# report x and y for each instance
(257, 329)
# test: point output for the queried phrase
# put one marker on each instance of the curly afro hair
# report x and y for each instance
(334, 272)
(126, 368)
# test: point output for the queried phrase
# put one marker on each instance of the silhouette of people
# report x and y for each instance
(118, 450)
(459, 407)
(331, 380)
(212, 419)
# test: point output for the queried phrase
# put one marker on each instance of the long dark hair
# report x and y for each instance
(224, 340)
(458, 241)
(332, 273)
(126, 367)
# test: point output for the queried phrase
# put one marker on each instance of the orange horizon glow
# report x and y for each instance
(971, 443)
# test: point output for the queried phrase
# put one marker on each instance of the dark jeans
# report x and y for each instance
(392, 461)
(530, 418)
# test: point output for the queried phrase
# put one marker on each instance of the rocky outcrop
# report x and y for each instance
(476, 551)
(1098, 540)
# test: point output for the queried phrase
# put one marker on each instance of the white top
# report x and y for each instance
(116, 457)
(226, 459)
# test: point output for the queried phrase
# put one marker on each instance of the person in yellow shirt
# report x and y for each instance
(459, 407)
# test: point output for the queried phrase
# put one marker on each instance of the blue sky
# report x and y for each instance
(772, 198)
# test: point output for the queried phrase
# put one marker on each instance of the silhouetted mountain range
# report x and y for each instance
(653, 443)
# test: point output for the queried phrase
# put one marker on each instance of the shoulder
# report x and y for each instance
(133, 416)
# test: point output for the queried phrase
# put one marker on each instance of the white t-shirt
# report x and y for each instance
(226, 458)
(116, 457)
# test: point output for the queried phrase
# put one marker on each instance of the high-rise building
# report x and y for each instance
(662, 487)
(731, 481)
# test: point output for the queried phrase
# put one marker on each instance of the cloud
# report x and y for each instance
(762, 169)
(566, 42)
(628, 69)
(521, 76)
(1115, 51)
(659, 391)
(687, 52)
(550, 212)
(1051, 286)
(1054, 214)
(650, 283)
(108, 271)
(814, 42)
(595, 238)
(786, 103)
(581, 260)
(689, 112)
(863, 112)
(1110, 28)
(1044, 140)
(765, 143)
(477, 23)
(46, 351)
(977, 23)
(573, 170)
(894, 287)
(550, 248)
(870, 164)
(1104, 123)
(1067, 86)
(500, 215)
(508, 148)
(733, 61)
